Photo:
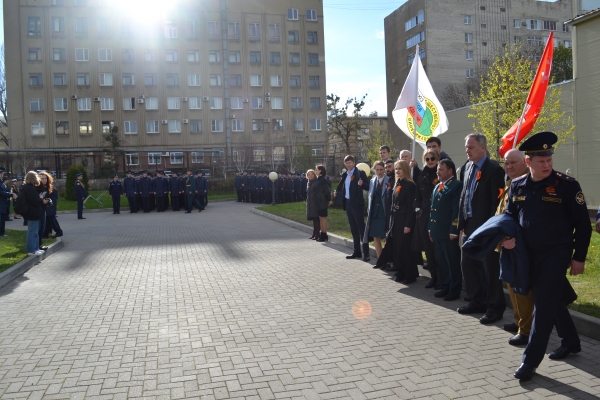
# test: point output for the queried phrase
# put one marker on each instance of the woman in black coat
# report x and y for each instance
(34, 212)
(425, 184)
(311, 203)
(323, 195)
(402, 223)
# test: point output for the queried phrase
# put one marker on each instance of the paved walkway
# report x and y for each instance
(227, 304)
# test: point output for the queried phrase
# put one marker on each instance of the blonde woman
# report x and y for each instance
(34, 212)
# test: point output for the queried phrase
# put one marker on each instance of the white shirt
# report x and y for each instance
(347, 183)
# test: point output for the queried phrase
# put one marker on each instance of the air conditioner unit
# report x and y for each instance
(164, 121)
(96, 98)
(165, 154)
(206, 98)
(267, 99)
(245, 100)
(523, 23)
(140, 101)
(74, 97)
(267, 120)
(142, 97)
(186, 121)
(184, 99)
(267, 93)
(232, 116)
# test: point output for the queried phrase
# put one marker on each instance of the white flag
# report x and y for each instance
(418, 112)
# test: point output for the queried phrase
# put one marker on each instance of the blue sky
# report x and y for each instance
(354, 49)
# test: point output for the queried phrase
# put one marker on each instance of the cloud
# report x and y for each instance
(379, 34)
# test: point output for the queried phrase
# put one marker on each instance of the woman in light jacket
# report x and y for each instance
(376, 212)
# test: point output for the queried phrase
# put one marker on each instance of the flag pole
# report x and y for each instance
(416, 60)
(519, 127)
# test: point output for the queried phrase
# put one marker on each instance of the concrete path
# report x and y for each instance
(227, 304)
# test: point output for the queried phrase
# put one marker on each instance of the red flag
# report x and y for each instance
(535, 100)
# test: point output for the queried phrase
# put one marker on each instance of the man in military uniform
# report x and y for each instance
(551, 209)
(115, 189)
(130, 192)
(175, 191)
(201, 188)
(5, 197)
(161, 191)
(190, 191)
(246, 186)
(138, 193)
(237, 186)
(79, 194)
(253, 189)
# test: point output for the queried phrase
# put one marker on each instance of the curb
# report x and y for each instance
(585, 324)
(109, 209)
(25, 265)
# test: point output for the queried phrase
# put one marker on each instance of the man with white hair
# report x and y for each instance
(414, 168)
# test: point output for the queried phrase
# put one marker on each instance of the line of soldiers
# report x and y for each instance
(147, 193)
(256, 187)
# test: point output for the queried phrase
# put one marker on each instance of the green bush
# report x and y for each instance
(71, 178)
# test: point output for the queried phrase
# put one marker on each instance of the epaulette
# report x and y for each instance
(564, 177)
(520, 177)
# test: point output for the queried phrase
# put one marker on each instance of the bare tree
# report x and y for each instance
(21, 159)
(3, 109)
(344, 119)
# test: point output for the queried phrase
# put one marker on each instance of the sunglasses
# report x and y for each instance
(429, 159)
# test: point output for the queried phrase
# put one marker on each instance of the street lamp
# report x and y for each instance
(273, 177)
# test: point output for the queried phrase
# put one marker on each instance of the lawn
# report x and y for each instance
(587, 285)
(12, 247)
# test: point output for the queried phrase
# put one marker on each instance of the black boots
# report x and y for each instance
(323, 237)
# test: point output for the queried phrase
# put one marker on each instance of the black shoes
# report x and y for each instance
(563, 352)
(353, 256)
(518, 340)
(490, 318)
(43, 248)
(524, 372)
(81, 218)
(440, 294)
(366, 258)
(452, 297)
(323, 238)
(431, 284)
(511, 328)
(471, 309)
(376, 266)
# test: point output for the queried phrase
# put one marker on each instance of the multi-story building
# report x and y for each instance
(456, 37)
(206, 80)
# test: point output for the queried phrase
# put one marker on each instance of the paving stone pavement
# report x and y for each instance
(227, 304)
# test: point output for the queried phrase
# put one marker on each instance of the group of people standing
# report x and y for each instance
(256, 187)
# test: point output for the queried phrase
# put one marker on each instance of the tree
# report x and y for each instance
(113, 149)
(344, 120)
(502, 95)
(3, 109)
(376, 139)
(562, 64)
(301, 158)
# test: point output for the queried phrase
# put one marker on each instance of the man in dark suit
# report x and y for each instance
(482, 189)
(352, 184)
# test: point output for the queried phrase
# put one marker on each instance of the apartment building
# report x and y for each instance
(455, 37)
(197, 85)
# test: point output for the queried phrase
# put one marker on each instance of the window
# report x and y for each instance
(84, 104)
(191, 29)
(132, 159)
(152, 127)
(127, 28)
(152, 103)
(276, 103)
(276, 81)
(535, 24)
(128, 79)
(194, 79)
(36, 104)
(411, 57)
(468, 38)
(414, 21)
(298, 125)
(154, 159)
(106, 79)
(534, 41)
(81, 27)
(35, 79)
(313, 81)
(172, 79)
(311, 15)
(483, 26)
(58, 26)
(312, 37)
(150, 79)
(235, 80)
(467, 20)
(127, 55)
(216, 125)
(215, 79)
(216, 103)
(258, 125)
(292, 14)
(254, 32)
(567, 44)
(258, 154)
(416, 39)
(482, 8)
(315, 103)
(503, 27)
(214, 56)
(516, 23)
(193, 56)
(295, 81)
(170, 31)
(149, 55)
(129, 103)
(82, 55)
(296, 103)
(233, 31)
(565, 28)
(37, 129)
(60, 79)
(34, 26)
(35, 54)
(85, 127)
(275, 57)
(502, 9)
(83, 79)
(236, 103)
(517, 40)
(237, 125)
(469, 55)
(295, 58)
(103, 27)
(62, 127)
(197, 156)
(277, 124)
(484, 43)
(195, 126)
(104, 55)
(173, 103)
(235, 57)
(59, 54)
(195, 103)
(255, 80)
(470, 73)
(106, 104)
(550, 25)
(171, 55)
(255, 57)
(213, 29)
(257, 103)
(313, 59)
(293, 36)
(274, 35)
(130, 127)
(315, 124)
(174, 127)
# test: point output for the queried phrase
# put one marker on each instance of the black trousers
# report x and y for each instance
(52, 225)
(146, 203)
(132, 203)
(240, 198)
(160, 204)
(356, 218)
(191, 202)
(3, 218)
(253, 196)
(447, 259)
(246, 196)
(79, 208)
(116, 200)
(175, 201)
(404, 259)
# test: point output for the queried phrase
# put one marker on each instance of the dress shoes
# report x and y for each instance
(353, 256)
(467, 298)
(563, 352)
(518, 340)
(511, 328)
(366, 259)
(430, 284)
(471, 309)
(452, 297)
(440, 294)
(399, 279)
(376, 266)
(524, 372)
(409, 281)
(82, 218)
(490, 318)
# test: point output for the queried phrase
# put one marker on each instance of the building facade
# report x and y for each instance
(456, 37)
(209, 81)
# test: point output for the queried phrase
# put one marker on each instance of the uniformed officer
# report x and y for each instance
(237, 185)
(551, 209)
(252, 183)
(190, 190)
(175, 191)
(115, 189)
(146, 189)
(80, 194)
(246, 186)
(130, 192)
(161, 191)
